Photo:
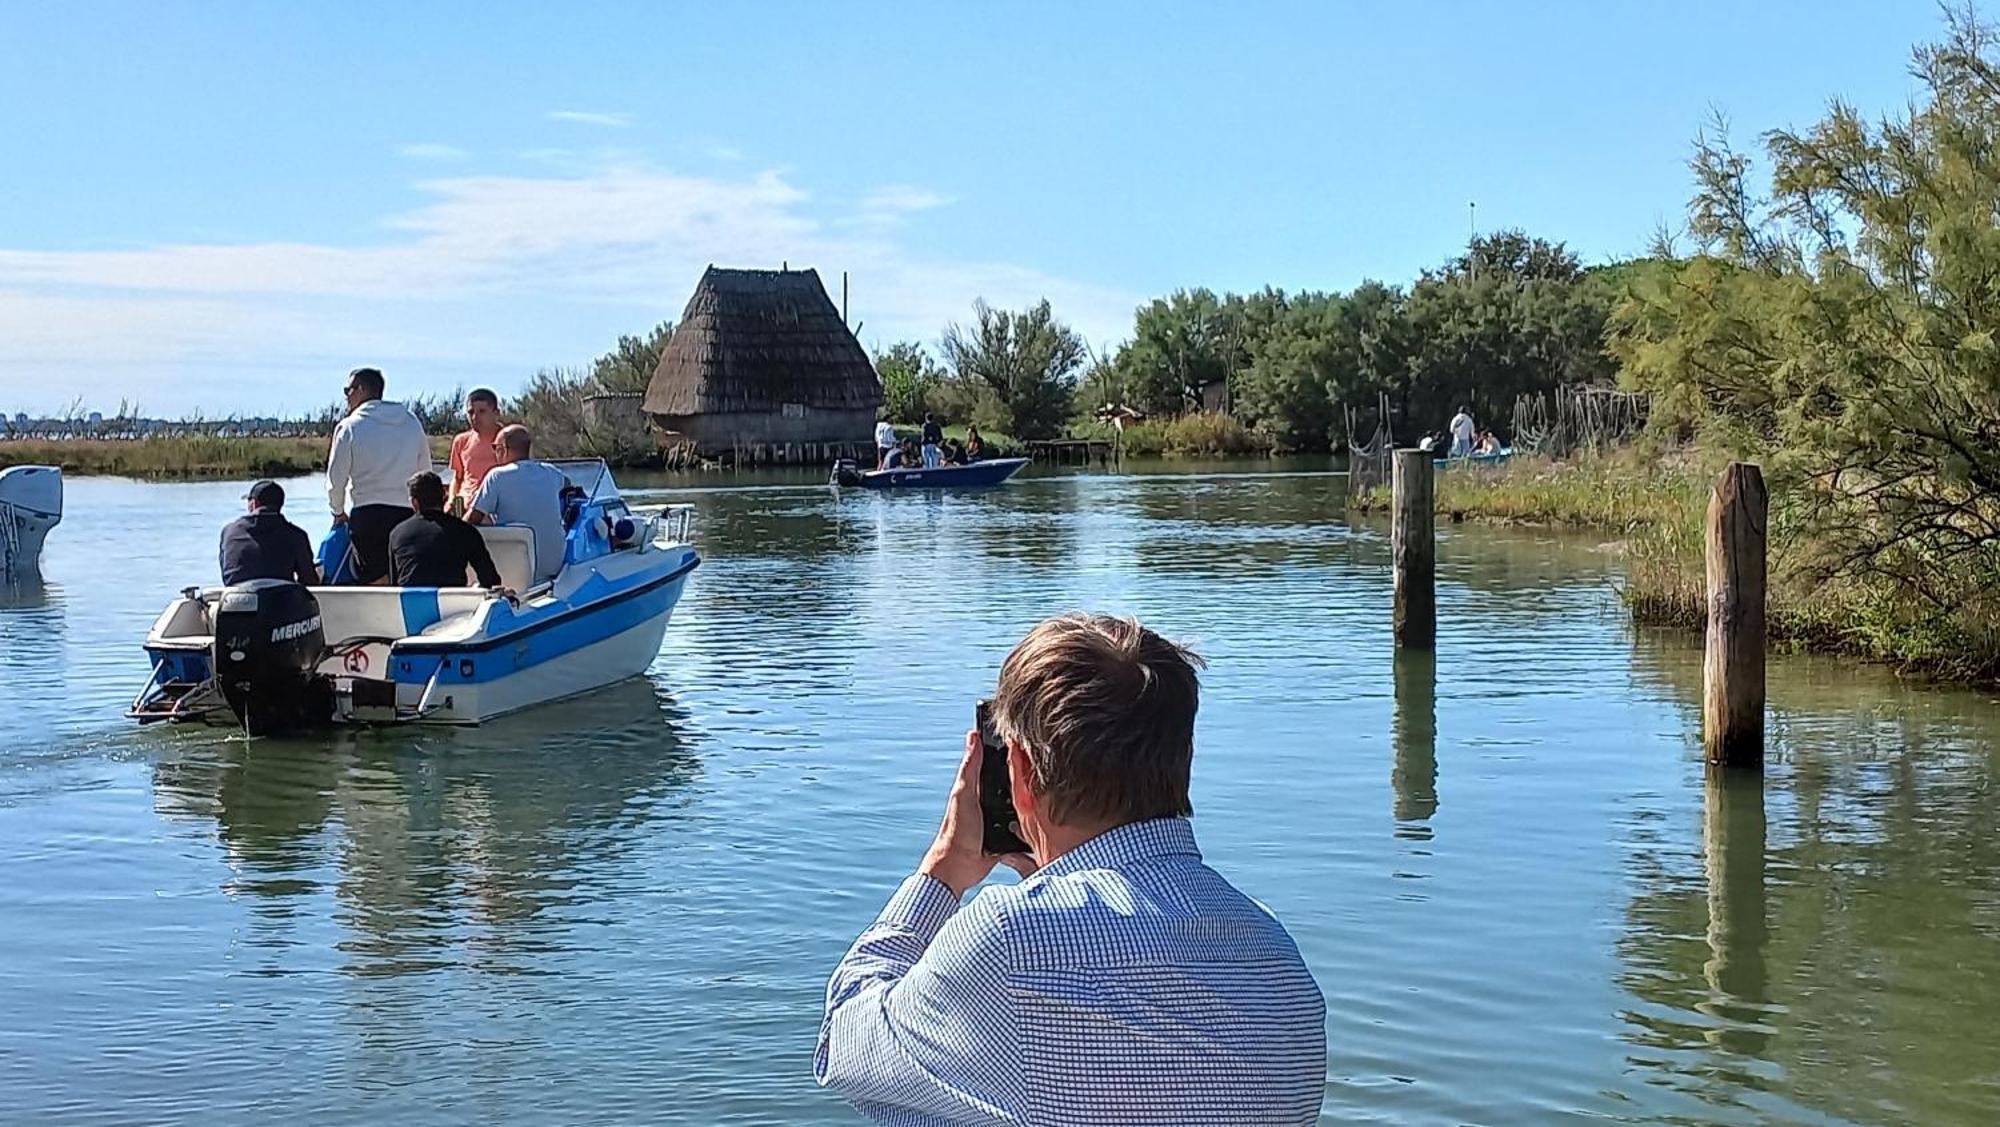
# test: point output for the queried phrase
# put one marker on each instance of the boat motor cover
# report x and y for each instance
(37, 488)
(268, 645)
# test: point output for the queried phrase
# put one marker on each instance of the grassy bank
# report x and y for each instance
(1197, 435)
(182, 457)
(1655, 501)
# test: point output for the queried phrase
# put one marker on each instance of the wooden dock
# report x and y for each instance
(1072, 451)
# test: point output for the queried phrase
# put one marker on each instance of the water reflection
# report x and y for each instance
(1867, 855)
(33, 631)
(1733, 843)
(1413, 738)
(445, 849)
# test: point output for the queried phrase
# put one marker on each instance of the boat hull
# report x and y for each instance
(976, 474)
(473, 683)
(1491, 459)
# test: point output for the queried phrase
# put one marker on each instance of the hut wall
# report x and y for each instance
(715, 432)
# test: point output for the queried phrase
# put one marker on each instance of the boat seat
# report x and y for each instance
(513, 550)
(390, 612)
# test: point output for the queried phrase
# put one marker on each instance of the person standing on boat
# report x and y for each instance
(1122, 980)
(264, 545)
(1462, 430)
(933, 439)
(375, 450)
(526, 491)
(473, 455)
(434, 548)
(885, 443)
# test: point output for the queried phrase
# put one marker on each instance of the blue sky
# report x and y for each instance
(223, 207)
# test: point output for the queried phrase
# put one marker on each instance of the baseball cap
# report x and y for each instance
(267, 493)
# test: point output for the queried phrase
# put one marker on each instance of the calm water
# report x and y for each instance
(1520, 898)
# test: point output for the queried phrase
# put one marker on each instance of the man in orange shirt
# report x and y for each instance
(473, 455)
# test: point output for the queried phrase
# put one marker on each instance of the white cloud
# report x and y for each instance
(490, 278)
(426, 150)
(902, 198)
(582, 117)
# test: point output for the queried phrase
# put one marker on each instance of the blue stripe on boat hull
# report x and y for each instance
(492, 659)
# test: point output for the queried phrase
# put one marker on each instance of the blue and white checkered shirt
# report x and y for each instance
(1125, 983)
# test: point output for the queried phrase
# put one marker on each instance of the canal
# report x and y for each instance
(1520, 897)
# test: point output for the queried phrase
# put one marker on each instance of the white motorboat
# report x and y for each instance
(275, 656)
(31, 502)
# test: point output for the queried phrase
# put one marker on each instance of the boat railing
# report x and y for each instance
(668, 524)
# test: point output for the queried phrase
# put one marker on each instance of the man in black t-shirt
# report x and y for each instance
(264, 545)
(433, 548)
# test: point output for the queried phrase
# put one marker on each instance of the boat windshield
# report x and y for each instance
(590, 475)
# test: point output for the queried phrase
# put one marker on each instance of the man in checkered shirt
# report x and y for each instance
(1121, 981)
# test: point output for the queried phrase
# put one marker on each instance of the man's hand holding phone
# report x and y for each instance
(958, 858)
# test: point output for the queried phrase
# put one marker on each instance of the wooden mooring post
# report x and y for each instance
(1732, 701)
(1413, 550)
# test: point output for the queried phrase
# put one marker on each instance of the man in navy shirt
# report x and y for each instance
(263, 544)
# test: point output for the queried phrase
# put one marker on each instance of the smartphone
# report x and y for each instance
(996, 790)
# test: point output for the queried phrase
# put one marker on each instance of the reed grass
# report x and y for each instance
(1656, 501)
(181, 457)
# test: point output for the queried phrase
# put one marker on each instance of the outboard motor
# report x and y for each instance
(268, 642)
(846, 473)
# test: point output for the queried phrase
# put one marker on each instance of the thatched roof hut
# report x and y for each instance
(762, 357)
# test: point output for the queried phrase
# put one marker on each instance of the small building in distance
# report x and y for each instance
(761, 367)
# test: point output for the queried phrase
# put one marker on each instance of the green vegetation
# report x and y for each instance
(1654, 500)
(1206, 434)
(1838, 327)
(552, 403)
(1512, 316)
(1024, 362)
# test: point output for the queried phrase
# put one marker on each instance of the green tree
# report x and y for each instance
(1527, 320)
(909, 377)
(1029, 360)
(629, 366)
(1180, 344)
(1842, 328)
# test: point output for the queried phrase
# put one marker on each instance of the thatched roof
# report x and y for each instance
(754, 340)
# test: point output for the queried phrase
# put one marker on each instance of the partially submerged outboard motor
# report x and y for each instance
(846, 473)
(31, 503)
(268, 644)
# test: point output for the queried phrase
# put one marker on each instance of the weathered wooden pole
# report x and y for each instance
(1413, 550)
(1732, 703)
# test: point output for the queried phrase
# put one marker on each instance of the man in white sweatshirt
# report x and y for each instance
(376, 449)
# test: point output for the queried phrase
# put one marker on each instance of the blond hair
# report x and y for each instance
(1104, 709)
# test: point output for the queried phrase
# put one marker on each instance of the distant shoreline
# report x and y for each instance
(181, 457)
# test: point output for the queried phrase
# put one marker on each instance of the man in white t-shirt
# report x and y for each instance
(1462, 430)
(524, 491)
(885, 441)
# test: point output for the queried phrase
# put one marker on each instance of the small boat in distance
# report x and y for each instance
(992, 471)
(31, 503)
(1490, 458)
(275, 657)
